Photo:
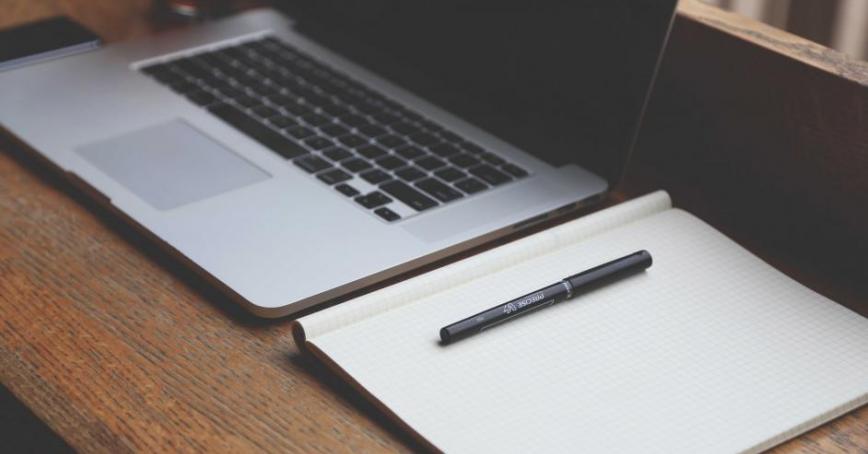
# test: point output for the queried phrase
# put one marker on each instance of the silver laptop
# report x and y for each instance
(295, 156)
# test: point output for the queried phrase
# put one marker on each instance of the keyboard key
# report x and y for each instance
(450, 174)
(410, 174)
(353, 140)
(311, 164)
(489, 174)
(282, 100)
(430, 163)
(310, 96)
(347, 190)
(439, 190)
(464, 160)
(391, 162)
(493, 158)
(193, 69)
(264, 111)
(471, 185)
(314, 119)
(247, 80)
(184, 87)
(410, 196)
(375, 176)
(318, 143)
(221, 85)
(444, 150)
(387, 214)
(368, 107)
(205, 75)
(201, 97)
(282, 121)
(239, 77)
(337, 154)
(514, 170)
(299, 132)
(373, 199)
(450, 136)
(213, 83)
(410, 152)
(228, 91)
(247, 101)
(372, 131)
(315, 99)
(391, 141)
(354, 120)
(334, 176)
(372, 152)
(335, 110)
(386, 118)
(424, 139)
(334, 130)
(263, 89)
(296, 109)
(355, 165)
(470, 147)
(350, 95)
(406, 128)
(168, 77)
(257, 131)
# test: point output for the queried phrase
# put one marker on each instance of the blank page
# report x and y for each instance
(710, 350)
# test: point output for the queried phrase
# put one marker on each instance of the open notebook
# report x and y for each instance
(709, 350)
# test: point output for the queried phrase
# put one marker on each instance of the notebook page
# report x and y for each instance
(480, 265)
(710, 350)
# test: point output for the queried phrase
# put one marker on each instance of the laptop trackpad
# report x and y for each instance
(171, 164)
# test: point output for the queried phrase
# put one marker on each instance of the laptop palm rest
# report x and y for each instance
(171, 164)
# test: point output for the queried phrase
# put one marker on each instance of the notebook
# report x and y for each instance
(709, 350)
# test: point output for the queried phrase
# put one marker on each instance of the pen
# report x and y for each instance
(547, 296)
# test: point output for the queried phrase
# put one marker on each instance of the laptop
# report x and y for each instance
(294, 156)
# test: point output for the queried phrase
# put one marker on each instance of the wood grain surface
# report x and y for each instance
(117, 347)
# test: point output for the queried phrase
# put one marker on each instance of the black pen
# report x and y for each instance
(547, 296)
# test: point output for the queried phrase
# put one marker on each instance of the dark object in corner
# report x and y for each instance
(44, 40)
(23, 432)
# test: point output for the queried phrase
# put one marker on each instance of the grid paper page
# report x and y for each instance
(710, 350)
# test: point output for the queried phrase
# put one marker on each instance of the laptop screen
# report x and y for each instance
(566, 81)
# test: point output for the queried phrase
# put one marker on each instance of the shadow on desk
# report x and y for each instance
(22, 432)
(303, 361)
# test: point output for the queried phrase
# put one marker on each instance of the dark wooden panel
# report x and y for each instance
(765, 135)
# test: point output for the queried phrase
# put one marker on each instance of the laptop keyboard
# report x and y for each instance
(367, 146)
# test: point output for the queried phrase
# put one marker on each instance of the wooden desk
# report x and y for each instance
(116, 347)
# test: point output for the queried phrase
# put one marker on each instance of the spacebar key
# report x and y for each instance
(257, 131)
(408, 195)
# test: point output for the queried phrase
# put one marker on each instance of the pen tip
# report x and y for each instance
(444, 336)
